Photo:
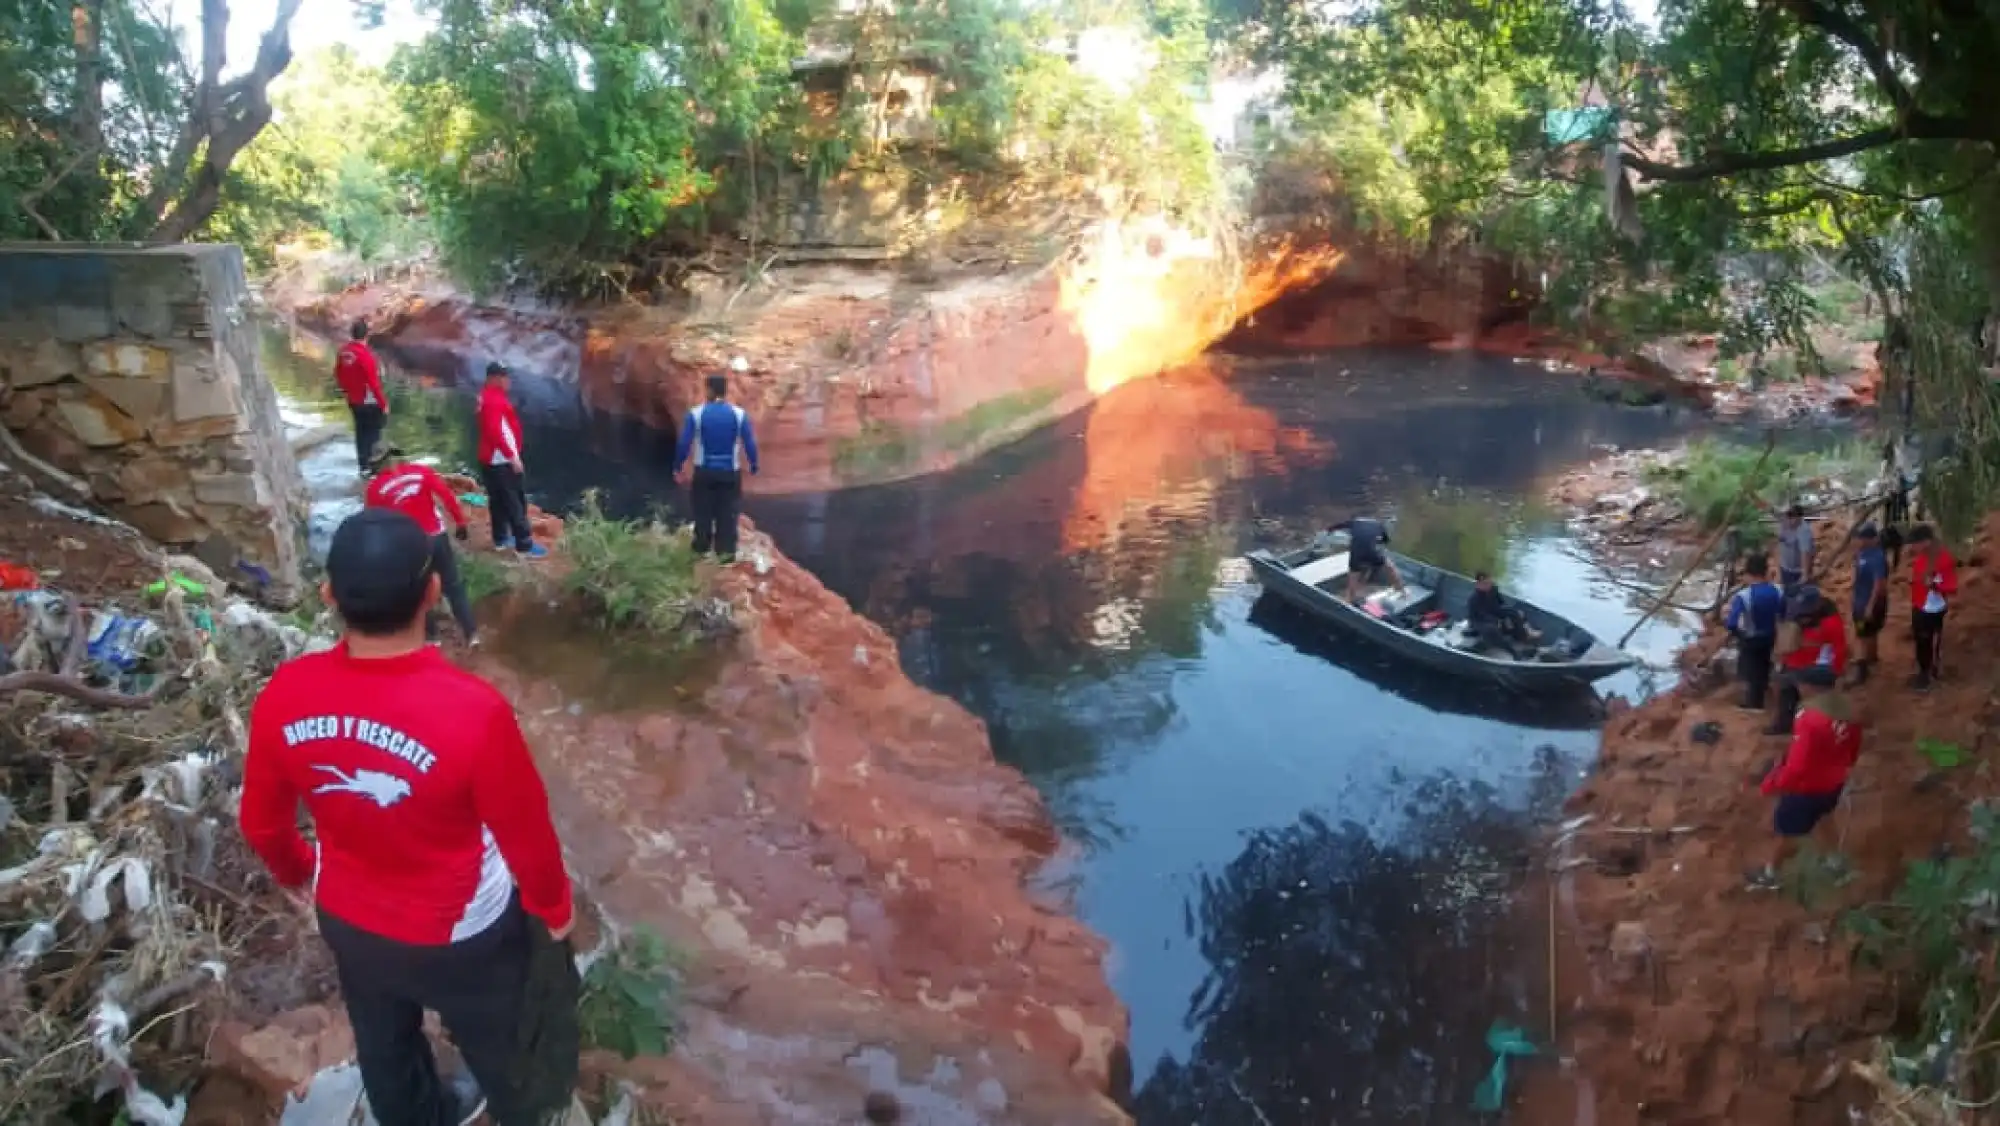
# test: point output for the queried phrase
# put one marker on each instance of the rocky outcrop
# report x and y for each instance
(131, 377)
(1378, 294)
(847, 860)
(836, 851)
(858, 375)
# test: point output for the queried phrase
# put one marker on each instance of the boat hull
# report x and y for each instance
(1302, 579)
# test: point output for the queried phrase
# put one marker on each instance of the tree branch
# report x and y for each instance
(1839, 25)
(227, 118)
(1920, 126)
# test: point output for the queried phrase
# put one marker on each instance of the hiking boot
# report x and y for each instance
(532, 551)
(463, 1095)
(1764, 878)
(503, 545)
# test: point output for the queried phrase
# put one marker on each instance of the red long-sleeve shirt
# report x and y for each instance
(1923, 568)
(499, 428)
(416, 491)
(1822, 754)
(359, 375)
(1822, 643)
(428, 807)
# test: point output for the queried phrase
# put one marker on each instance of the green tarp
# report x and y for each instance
(1567, 126)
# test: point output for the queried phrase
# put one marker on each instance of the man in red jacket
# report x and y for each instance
(1822, 644)
(435, 856)
(360, 378)
(418, 492)
(501, 468)
(1933, 584)
(1809, 780)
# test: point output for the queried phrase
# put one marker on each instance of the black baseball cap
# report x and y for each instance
(379, 570)
(497, 368)
(1867, 531)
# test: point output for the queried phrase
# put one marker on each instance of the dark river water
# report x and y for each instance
(1302, 857)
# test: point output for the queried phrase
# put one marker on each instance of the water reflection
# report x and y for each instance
(1577, 711)
(1297, 863)
(1317, 1007)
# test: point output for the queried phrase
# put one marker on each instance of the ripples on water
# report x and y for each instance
(1301, 856)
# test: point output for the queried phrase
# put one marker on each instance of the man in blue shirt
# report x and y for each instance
(712, 432)
(1871, 596)
(1753, 617)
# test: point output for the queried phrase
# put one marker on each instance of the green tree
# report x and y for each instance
(1747, 140)
(323, 164)
(111, 128)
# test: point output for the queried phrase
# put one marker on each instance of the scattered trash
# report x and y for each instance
(1505, 1041)
(476, 500)
(119, 641)
(262, 577)
(187, 585)
(13, 576)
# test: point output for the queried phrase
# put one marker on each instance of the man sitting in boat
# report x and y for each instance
(1367, 563)
(1496, 624)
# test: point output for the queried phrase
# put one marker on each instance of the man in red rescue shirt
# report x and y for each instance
(435, 855)
(1808, 781)
(1933, 584)
(418, 492)
(360, 379)
(1822, 644)
(501, 468)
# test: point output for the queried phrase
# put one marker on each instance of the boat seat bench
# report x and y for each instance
(1330, 574)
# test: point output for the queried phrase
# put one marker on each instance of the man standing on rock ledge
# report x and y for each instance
(1753, 620)
(501, 468)
(437, 874)
(360, 377)
(713, 431)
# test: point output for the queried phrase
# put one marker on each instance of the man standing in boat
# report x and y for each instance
(1367, 562)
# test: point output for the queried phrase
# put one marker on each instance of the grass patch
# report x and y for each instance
(1782, 367)
(631, 998)
(1935, 937)
(996, 414)
(1461, 530)
(632, 574)
(485, 574)
(1708, 478)
(881, 447)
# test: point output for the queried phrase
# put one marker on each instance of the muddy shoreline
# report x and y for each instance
(1679, 995)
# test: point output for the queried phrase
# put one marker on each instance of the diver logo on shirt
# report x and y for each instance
(383, 789)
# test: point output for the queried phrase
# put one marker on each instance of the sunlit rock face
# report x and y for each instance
(841, 854)
(858, 376)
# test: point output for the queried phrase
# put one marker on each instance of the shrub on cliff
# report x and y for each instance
(1709, 477)
(631, 573)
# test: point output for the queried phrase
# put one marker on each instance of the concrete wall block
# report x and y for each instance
(237, 490)
(147, 288)
(128, 358)
(138, 370)
(151, 476)
(77, 324)
(95, 420)
(142, 399)
(207, 384)
(46, 360)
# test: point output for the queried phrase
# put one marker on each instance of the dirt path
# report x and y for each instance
(1685, 998)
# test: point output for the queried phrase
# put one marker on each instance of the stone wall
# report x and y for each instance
(134, 371)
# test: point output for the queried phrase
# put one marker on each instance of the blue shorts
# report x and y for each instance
(1795, 815)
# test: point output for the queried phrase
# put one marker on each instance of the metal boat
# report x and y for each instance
(1424, 623)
